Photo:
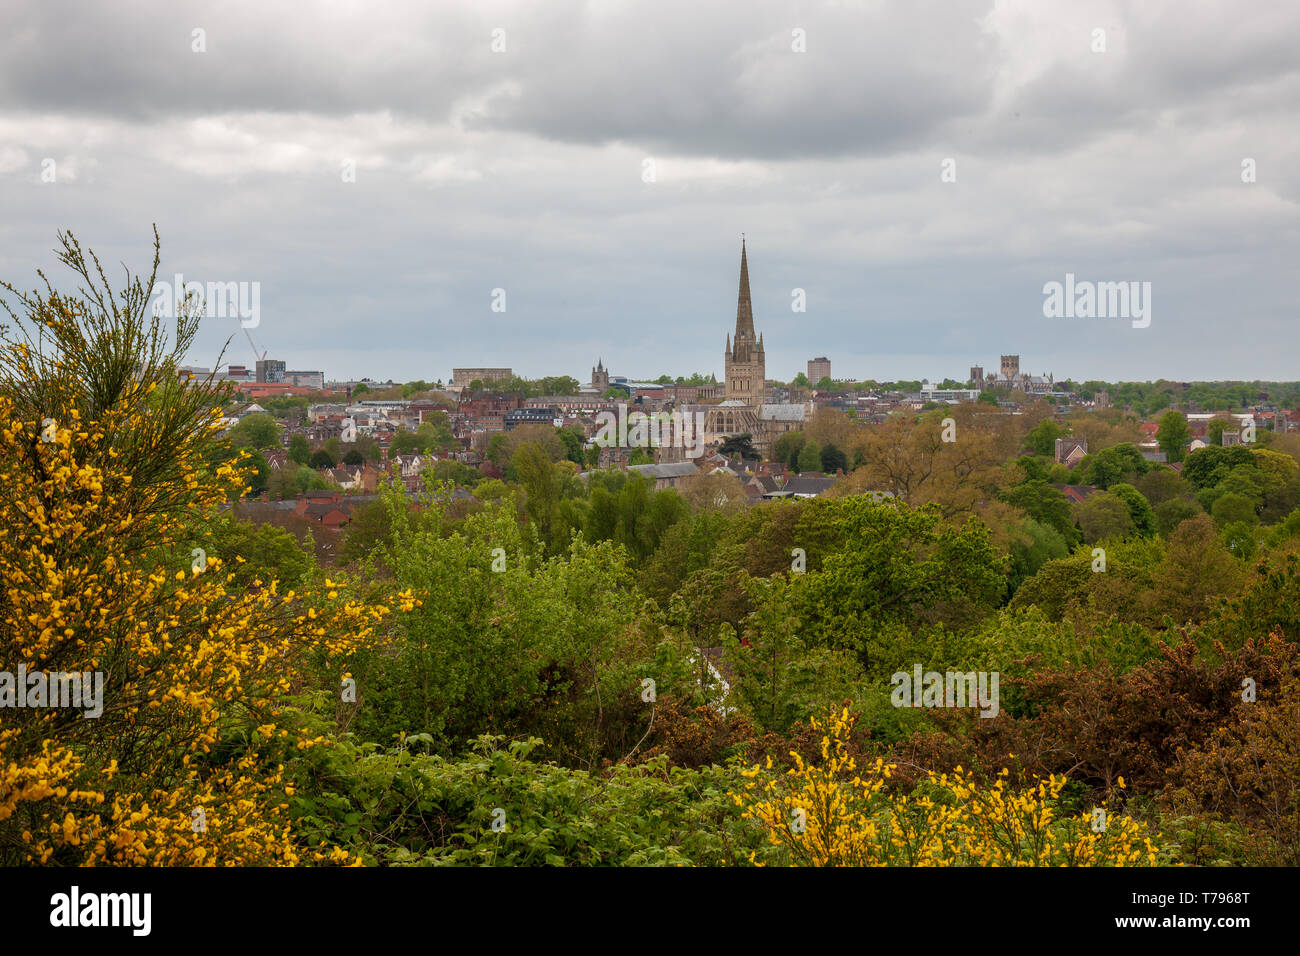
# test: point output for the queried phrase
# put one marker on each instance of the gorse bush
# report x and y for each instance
(835, 812)
(102, 459)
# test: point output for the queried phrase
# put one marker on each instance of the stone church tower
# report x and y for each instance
(746, 363)
(600, 377)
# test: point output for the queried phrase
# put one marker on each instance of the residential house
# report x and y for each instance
(1070, 451)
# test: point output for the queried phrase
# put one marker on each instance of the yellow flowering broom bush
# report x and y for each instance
(104, 474)
(835, 813)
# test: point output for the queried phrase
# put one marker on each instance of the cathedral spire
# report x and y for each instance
(744, 310)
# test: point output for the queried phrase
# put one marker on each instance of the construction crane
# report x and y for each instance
(249, 334)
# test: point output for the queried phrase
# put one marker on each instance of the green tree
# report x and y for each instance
(1103, 517)
(1032, 545)
(889, 571)
(779, 678)
(572, 439)
(1234, 508)
(1173, 436)
(1139, 509)
(256, 431)
(299, 449)
(1173, 512)
(1206, 467)
(810, 457)
(369, 529)
(832, 459)
(309, 479)
(786, 448)
(1239, 539)
(407, 443)
(739, 446)
(321, 459)
(1195, 572)
(1047, 506)
(1041, 439)
(1111, 465)
(1163, 484)
(255, 551)
(542, 490)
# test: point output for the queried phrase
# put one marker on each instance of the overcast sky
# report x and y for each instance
(526, 170)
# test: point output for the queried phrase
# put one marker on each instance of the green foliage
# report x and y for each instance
(1041, 439)
(1103, 517)
(1047, 506)
(1206, 467)
(739, 446)
(833, 460)
(1173, 436)
(1239, 537)
(554, 646)
(1111, 466)
(1139, 509)
(1234, 508)
(1170, 514)
(309, 479)
(299, 449)
(400, 807)
(370, 528)
(810, 457)
(781, 678)
(894, 567)
(787, 447)
(572, 439)
(256, 431)
(1033, 545)
(633, 516)
(255, 553)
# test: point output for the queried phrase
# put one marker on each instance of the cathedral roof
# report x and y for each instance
(783, 412)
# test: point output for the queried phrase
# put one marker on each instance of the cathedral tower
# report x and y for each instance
(746, 363)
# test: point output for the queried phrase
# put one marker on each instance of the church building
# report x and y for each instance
(745, 410)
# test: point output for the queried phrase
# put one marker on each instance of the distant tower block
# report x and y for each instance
(818, 369)
(1011, 367)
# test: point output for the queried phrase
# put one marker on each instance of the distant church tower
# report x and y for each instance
(746, 363)
(600, 377)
